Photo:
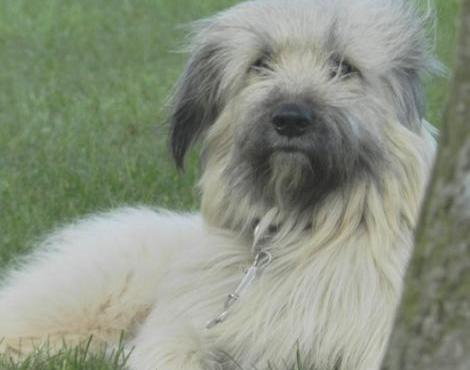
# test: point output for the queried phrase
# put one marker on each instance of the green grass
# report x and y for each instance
(82, 90)
(76, 358)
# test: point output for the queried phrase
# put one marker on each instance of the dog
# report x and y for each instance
(315, 158)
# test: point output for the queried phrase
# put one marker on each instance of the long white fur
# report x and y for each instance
(330, 292)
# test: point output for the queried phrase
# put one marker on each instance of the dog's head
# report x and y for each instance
(294, 99)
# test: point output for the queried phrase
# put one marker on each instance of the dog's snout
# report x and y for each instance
(292, 119)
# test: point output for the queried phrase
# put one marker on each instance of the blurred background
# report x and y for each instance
(83, 86)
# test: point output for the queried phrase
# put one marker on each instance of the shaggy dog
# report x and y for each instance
(315, 159)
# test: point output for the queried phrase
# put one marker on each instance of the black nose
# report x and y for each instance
(292, 119)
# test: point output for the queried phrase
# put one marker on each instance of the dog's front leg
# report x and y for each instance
(171, 346)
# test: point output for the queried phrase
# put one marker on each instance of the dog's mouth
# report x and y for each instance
(294, 157)
(289, 149)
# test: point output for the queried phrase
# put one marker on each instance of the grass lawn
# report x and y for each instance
(82, 90)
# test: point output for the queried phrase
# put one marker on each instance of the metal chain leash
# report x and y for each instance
(262, 259)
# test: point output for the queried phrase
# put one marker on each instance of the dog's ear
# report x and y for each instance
(408, 97)
(196, 102)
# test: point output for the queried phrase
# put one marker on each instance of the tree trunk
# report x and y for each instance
(432, 330)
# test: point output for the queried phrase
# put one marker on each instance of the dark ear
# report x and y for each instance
(196, 102)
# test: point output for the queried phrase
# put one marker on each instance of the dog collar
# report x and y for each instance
(262, 258)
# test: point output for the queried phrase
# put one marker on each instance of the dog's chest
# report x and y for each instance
(330, 308)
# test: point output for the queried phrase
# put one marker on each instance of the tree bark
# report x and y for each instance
(432, 330)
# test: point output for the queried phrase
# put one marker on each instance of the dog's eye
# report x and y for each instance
(262, 63)
(342, 68)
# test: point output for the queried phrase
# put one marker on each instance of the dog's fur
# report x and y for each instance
(341, 202)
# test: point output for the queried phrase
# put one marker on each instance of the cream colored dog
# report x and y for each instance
(315, 159)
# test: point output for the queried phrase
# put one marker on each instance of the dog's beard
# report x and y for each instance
(300, 182)
(292, 180)
(295, 177)
(289, 176)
